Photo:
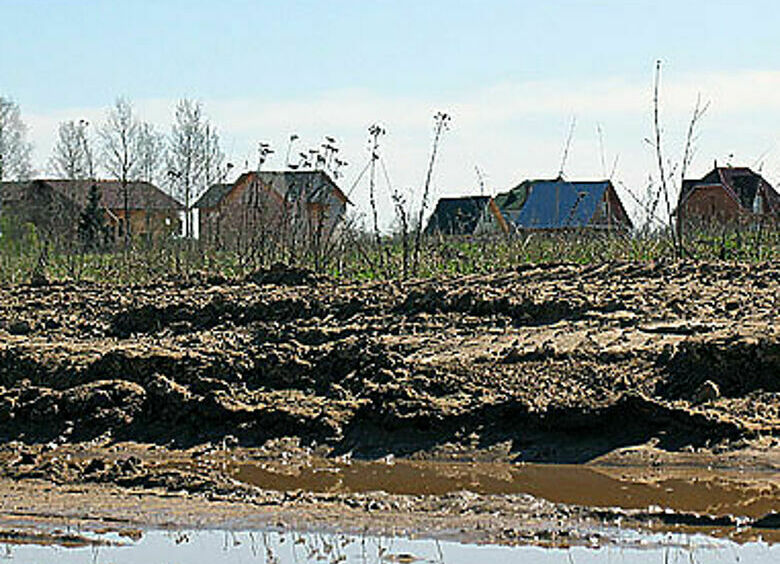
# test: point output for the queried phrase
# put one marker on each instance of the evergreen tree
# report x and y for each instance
(93, 231)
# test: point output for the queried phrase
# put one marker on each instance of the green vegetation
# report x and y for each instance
(355, 256)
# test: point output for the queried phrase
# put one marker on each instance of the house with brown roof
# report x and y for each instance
(37, 203)
(54, 206)
(261, 205)
(728, 195)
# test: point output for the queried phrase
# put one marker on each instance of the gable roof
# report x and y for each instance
(37, 202)
(142, 195)
(311, 184)
(290, 184)
(558, 204)
(33, 191)
(514, 199)
(457, 216)
(213, 195)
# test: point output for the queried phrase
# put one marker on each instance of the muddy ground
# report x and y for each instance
(163, 388)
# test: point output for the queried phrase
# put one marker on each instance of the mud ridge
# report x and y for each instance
(561, 362)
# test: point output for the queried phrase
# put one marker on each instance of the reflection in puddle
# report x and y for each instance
(710, 492)
(206, 547)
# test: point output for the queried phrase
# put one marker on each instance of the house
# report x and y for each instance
(208, 213)
(726, 195)
(37, 203)
(54, 206)
(263, 204)
(560, 205)
(457, 216)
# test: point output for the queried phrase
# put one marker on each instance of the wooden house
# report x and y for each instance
(303, 204)
(54, 206)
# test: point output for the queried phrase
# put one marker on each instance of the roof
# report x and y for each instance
(289, 184)
(514, 199)
(142, 195)
(213, 195)
(557, 204)
(293, 183)
(457, 216)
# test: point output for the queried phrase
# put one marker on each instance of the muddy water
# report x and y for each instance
(698, 490)
(206, 547)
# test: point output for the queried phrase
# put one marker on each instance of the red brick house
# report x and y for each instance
(54, 206)
(728, 195)
(263, 205)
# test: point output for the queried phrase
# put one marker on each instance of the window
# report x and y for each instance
(758, 203)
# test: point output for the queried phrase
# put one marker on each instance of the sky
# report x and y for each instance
(514, 76)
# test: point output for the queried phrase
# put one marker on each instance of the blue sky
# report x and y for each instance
(512, 74)
(93, 50)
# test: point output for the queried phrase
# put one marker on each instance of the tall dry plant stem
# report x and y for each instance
(660, 158)
(690, 149)
(441, 121)
(375, 132)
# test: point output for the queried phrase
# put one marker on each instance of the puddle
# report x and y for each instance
(695, 490)
(206, 547)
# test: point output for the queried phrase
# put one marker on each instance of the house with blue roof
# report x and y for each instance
(563, 205)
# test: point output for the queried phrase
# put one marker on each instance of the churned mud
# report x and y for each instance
(427, 404)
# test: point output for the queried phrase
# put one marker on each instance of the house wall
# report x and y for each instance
(711, 204)
(154, 224)
(618, 215)
(610, 212)
(207, 226)
(249, 214)
(253, 213)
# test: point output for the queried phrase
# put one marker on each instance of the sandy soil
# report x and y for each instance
(165, 389)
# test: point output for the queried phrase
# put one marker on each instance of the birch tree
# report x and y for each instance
(153, 146)
(194, 157)
(14, 148)
(120, 144)
(213, 158)
(72, 157)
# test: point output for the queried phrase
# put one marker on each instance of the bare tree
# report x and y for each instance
(213, 157)
(194, 157)
(120, 140)
(72, 157)
(184, 152)
(153, 147)
(14, 148)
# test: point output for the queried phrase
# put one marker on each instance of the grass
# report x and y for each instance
(357, 257)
